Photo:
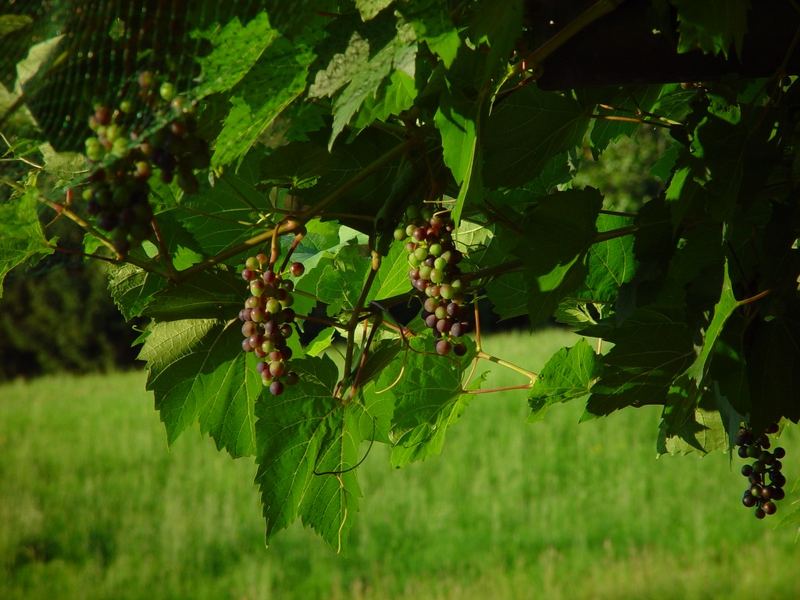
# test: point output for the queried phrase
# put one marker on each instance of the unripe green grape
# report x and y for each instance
(435, 249)
(273, 306)
(440, 263)
(412, 213)
(437, 276)
(421, 254)
(277, 368)
(167, 91)
(410, 229)
(399, 234)
(119, 148)
(425, 272)
(252, 263)
(413, 261)
(256, 287)
(113, 133)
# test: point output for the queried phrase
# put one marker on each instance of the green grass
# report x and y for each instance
(94, 505)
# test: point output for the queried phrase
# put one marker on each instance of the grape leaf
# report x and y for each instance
(237, 48)
(198, 372)
(610, 263)
(712, 25)
(509, 295)
(10, 23)
(651, 348)
(497, 25)
(269, 88)
(21, 235)
(132, 288)
(398, 54)
(525, 131)
(432, 25)
(426, 391)
(568, 375)
(369, 9)
(225, 214)
(394, 95)
(392, 278)
(207, 295)
(308, 444)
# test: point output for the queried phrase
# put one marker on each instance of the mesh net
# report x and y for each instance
(90, 51)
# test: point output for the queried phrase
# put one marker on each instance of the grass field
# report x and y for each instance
(94, 505)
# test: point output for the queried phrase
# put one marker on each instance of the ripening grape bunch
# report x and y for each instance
(127, 149)
(764, 475)
(435, 272)
(268, 319)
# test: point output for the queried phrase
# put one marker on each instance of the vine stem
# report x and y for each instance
(755, 298)
(321, 321)
(524, 386)
(636, 120)
(74, 252)
(82, 223)
(289, 226)
(639, 111)
(354, 319)
(508, 365)
(163, 250)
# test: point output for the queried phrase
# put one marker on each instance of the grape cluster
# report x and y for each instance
(767, 465)
(268, 318)
(434, 261)
(117, 192)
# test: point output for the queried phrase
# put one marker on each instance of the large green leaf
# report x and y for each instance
(133, 288)
(237, 48)
(712, 25)
(610, 263)
(568, 375)
(427, 397)
(392, 278)
(338, 278)
(525, 131)
(432, 25)
(198, 372)
(208, 295)
(21, 235)
(308, 447)
(651, 347)
(270, 86)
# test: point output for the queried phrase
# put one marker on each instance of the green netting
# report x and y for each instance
(87, 51)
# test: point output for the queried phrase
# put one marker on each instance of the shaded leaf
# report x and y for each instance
(198, 372)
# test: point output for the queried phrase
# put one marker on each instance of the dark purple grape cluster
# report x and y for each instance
(129, 150)
(268, 319)
(764, 475)
(435, 272)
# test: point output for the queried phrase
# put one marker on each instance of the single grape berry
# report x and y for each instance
(297, 269)
(276, 388)
(443, 347)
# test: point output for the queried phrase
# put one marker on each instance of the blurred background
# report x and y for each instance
(94, 504)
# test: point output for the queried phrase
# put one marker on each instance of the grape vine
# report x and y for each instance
(382, 176)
